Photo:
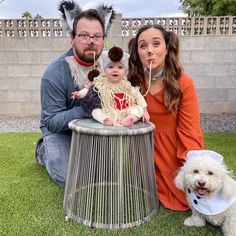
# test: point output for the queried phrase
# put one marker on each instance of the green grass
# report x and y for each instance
(31, 204)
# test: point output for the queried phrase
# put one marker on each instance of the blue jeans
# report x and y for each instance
(57, 151)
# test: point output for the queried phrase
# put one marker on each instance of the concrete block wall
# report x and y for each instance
(22, 63)
(210, 60)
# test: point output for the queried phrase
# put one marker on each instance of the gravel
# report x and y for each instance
(223, 122)
(19, 123)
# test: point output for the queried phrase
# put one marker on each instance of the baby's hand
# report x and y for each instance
(75, 95)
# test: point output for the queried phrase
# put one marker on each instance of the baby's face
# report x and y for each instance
(115, 72)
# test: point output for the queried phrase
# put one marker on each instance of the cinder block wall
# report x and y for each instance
(210, 60)
(22, 63)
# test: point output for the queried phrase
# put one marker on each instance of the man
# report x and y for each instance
(63, 76)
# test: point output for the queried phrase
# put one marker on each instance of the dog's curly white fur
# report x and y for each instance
(207, 178)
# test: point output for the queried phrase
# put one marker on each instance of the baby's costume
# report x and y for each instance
(113, 100)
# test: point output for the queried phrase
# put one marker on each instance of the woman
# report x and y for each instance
(172, 106)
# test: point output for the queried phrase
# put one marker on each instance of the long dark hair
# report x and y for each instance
(172, 68)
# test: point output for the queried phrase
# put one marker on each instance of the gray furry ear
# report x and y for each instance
(69, 10)
(108, 14)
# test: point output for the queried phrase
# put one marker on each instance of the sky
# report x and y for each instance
(129, 8)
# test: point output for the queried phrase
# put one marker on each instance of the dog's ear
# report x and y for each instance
(179, 180)
(229, 186)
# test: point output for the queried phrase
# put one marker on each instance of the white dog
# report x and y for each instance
(210, 190)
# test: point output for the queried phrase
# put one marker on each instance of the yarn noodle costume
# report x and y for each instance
(113, 100)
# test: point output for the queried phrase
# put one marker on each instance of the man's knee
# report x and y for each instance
(57, 149)
(57, 172)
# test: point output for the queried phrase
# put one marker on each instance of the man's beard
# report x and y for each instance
(87, 58)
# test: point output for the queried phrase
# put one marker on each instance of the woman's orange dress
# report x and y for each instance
(174, 135)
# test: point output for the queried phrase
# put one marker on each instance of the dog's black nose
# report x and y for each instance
(201, 183)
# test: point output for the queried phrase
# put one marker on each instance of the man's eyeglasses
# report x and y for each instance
(86, 38)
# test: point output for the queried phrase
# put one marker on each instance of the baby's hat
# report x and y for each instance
(115, 54)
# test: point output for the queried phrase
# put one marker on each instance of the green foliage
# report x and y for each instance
(208, 7)
(27, 15)
(38, 17)
(31, 204)
(106, 44)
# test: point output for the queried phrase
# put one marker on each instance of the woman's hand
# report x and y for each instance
(146, 116)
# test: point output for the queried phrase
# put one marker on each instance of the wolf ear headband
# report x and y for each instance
(70, 10)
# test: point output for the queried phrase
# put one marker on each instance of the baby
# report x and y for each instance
(120, 104)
